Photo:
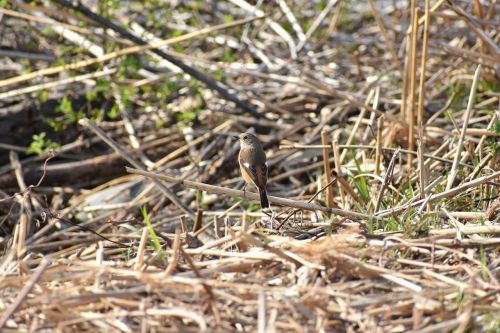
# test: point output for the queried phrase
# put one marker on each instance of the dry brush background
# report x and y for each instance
(380, 120)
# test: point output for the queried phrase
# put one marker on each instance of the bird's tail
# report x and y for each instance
(264, 202)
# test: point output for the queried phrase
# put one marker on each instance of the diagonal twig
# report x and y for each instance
(209, 81)
(24, 292)
(116, 147)
(468, 112)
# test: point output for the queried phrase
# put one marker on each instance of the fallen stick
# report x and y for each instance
(250, 195)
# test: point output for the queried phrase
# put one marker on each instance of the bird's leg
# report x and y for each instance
(273, 213)
(245, 191)
(272, 217)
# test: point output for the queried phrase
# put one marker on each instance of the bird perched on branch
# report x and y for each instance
(253, 165)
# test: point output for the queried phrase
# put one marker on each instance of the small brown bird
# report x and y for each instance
(253, 165)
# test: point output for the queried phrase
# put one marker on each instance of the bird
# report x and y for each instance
(253, 165)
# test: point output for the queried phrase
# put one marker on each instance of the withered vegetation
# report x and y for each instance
(121, 201)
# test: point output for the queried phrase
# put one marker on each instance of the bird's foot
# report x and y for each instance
(245, 191)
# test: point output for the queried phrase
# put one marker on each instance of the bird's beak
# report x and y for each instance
(235, 137)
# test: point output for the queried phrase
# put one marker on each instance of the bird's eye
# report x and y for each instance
(245, 137)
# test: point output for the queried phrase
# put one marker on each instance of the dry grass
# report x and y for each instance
(381, 128)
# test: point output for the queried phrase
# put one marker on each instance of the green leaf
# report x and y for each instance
(41, 144)
(152, 234)
(360, 181)
(228, 18)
